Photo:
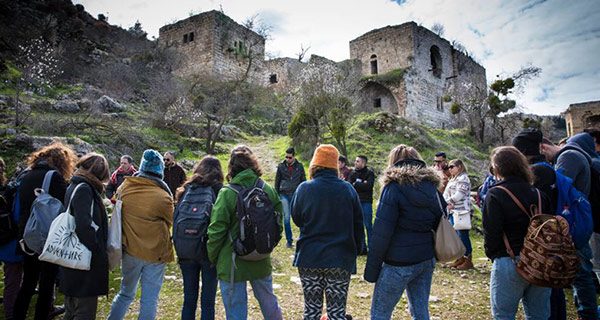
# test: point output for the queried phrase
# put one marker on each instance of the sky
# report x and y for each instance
(561, 37)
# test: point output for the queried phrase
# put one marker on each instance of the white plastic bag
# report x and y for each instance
(114, 246)
(462, 219)
(62, 247)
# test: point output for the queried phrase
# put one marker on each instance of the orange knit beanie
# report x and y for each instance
(325, 156)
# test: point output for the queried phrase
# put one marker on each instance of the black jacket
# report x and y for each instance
(503, 216)
(409, 211)
(286, 183)
(365, 186)
(29, 182)
(81, 283)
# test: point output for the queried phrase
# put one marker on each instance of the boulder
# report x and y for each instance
(66, 106)
(107, 104)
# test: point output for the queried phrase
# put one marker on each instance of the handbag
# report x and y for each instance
(114, 247)
(62, 247)
(462, 219)
(448, 246)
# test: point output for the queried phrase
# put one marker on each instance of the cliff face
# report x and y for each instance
(81, 41)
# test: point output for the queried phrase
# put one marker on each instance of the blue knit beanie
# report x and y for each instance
(152, 162)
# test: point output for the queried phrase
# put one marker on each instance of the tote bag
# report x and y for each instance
(448, 246)
(62, 246)
(115, 246)
(462, 219)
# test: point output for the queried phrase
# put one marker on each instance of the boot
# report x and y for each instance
(467, 264)
(456, 263)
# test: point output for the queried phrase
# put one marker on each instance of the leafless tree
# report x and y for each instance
(438, 29)
(302, 53)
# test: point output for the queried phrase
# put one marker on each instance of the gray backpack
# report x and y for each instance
(44, 210)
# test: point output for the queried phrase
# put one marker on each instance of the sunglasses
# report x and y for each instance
(438, 161)
(451, 166)
(288, 157)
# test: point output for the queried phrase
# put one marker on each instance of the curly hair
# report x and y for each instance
(242, 158)
(57, 156)
(206, 172)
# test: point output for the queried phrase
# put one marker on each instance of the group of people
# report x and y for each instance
(333, 211)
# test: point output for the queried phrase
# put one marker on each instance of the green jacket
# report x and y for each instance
(223, 220)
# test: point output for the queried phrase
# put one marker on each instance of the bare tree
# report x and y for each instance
(302, 53)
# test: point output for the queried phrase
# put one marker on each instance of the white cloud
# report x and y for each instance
(561, 37)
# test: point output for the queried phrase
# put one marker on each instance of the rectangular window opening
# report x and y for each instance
(273, 79)
(377, 103)
(185, 38)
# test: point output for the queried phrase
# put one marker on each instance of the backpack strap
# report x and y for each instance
(47, 180)
(516, 200)
(259, 183)
(235, 187)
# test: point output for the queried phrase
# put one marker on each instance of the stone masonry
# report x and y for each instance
(404, 69)
(583, 115)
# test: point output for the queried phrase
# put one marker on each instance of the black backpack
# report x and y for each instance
(10, 210)
(190, 223)
(259, 222)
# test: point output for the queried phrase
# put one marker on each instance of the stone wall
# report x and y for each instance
(392, 46)
(582, 115)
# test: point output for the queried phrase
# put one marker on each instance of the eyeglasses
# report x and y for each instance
(451, 166)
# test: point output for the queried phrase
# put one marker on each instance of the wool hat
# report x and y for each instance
(528, 142)
(152, 162)
(325, 156)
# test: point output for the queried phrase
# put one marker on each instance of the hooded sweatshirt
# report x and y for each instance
(586, 142)
(574, 162)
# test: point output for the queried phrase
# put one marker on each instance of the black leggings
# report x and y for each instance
(35, 271)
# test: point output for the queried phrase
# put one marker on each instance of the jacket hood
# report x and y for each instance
(245, 178)
(586, 142)
(410, 172)
(572, 146)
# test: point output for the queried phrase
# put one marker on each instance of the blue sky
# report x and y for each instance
(561, 37)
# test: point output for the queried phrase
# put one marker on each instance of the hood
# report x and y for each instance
(572, 146)
(586, 142)
(245, 178)
(410, 172)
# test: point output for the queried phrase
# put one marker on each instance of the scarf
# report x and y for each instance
(130, 172)
(92, 179)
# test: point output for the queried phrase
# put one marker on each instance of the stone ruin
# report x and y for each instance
(582, 115)
(404, 69)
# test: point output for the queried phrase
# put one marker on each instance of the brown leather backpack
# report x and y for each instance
(548, 257)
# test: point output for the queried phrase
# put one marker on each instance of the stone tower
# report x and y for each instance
(409, 70)
(211, 43)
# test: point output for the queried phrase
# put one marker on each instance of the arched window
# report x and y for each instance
(436, 61)
(373, 64)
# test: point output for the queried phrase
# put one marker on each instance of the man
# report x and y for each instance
(147, 248)
(574, 162)
(595, 133)
(174, 174)
(343, 167)
(440, 163)
(362, 179)
(290, 174)
(125, 169)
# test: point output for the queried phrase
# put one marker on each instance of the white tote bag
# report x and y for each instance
(114, 246)
(462, 219)
(62, 246)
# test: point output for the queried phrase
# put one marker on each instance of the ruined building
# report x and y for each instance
(583, 115)
(404, 69)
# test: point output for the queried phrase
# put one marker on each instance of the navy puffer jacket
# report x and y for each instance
(407, 214)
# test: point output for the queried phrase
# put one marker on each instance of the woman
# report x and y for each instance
(502, 217)
(12, 262)
(401, 255)
(38, 273)
(457, 195)
(147, 213)
(80, 287)
(208, 173)
(327, 210)
(244, 171)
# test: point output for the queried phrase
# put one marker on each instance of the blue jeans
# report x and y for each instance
(191, 276)
(584, 290)
(507, 288)
(235, 299)
(392, 281)
(286, 203)
(367, 209)
(464, 237)
(150, 275)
